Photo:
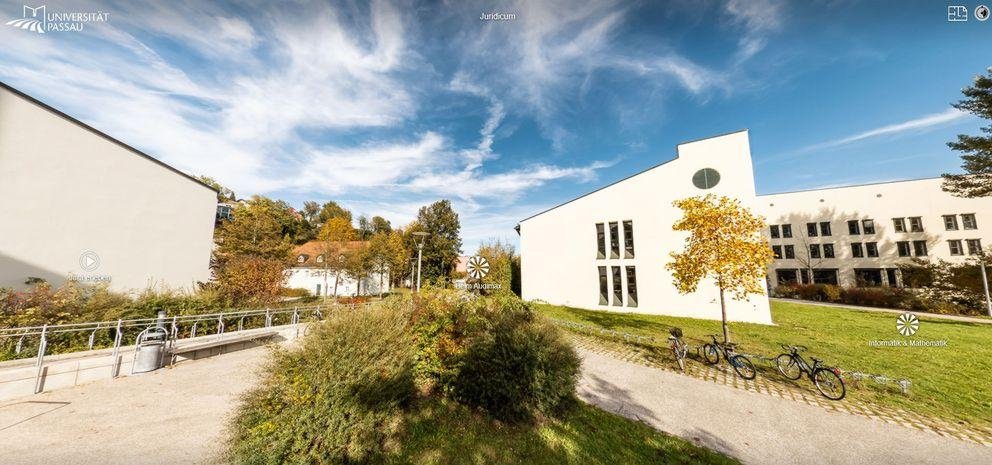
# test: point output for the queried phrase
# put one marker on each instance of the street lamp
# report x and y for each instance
(985, 283)
(421, 236)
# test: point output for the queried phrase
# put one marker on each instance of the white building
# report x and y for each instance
(78, 204)
(607, 250)
(857, 235)
(311, 271)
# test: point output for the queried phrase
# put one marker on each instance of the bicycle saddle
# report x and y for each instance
(816, 359)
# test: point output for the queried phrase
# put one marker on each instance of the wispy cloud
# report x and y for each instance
(758, 18)
(913, 125)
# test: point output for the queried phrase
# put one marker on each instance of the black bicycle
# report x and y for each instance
(679, 347)
(741, 364)
(827, 379)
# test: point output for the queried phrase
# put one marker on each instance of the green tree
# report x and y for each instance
(443, 243)
(977, 150)
(255, 231)
(364, 229)
(385, 254)
(331, 209)
(381, 225)
(724, 244)
(223, 194)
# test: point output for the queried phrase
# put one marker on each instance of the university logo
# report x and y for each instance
(33, 19)
(907, 324)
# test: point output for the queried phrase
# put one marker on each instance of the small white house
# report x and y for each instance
(314, 271)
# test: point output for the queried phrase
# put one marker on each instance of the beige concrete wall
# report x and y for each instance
(880, 202)
(65, 190)
(559, 247)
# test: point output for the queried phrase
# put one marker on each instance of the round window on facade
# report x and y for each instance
(706, 178)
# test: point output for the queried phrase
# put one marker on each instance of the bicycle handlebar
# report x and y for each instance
(790, 348)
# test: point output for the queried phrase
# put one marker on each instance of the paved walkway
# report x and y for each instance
(757, 428)
(169, 416)
(936, 316)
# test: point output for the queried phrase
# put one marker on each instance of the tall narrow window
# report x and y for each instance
(777, 251)
(974, 246)
(890, 274)
(868, 226)
(920, 248)
(871, 249)
(955, 247)
(631, 287)
(915, 224)
(811, 229)
(951, 223)
(904, 249)
(853, 227)
(814, 251)
(614, 240)
(968, 220)
(617, 287)
(899, 225)
(828, 251)
(857, 250)
(628, 239)
(604, 287)
(790, 252)
(824, 228)
(774, 229)
(601, 240)
(786, 231)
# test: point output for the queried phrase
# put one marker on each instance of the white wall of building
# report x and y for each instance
(559, 248)
(321, 282)
(66, 189)
(881, 203)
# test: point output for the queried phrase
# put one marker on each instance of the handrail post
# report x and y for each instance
(42, 345)
(117, 348)
(268, 318)
(220, 324)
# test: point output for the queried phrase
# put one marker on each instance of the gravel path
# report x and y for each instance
(758, 428)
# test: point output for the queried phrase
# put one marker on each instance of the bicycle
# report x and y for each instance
(826, 379)
(741, 364)
(679, 347)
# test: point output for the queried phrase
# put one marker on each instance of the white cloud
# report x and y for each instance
(758, 18)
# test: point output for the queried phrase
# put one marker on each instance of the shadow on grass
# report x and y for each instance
(441, 432)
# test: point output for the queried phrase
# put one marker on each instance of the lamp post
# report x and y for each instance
(985, 285)
(421, 236)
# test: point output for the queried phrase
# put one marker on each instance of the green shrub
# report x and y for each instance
(519, 370)
(337, 399)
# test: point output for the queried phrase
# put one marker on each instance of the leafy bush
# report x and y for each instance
(520, 369)
(337, 399)
(251, 280)
(817, 292)
(294, 292)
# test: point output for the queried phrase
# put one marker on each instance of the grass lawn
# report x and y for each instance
(952, 382)
(443, 433)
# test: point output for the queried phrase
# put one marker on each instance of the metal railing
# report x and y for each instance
(78, 337)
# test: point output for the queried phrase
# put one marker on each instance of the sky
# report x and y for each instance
(387, 106)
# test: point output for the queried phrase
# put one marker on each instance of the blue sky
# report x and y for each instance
(387, 106)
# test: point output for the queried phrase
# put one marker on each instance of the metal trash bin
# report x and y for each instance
(149, 349)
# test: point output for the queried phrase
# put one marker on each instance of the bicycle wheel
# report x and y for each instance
(788, 366)
(829, 383)
(743, 366)
(711, 354)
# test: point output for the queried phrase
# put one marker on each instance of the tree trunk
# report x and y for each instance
(723, 311)
(337, 277)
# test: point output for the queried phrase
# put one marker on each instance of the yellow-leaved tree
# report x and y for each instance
(724, 244)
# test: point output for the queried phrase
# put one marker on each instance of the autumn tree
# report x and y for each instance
(330, 210)
(255, 230)
(335, 236)
(248, 280)
(976, 150)
(724, 244)
(500, 257)
(385, 254)
(381, 225)
(364, 229)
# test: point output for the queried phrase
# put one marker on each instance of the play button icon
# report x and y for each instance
(89, 260)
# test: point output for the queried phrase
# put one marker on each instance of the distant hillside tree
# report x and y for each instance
(724, 244)
(381, 225)
(223, 194)
(977, 150)
(256, 230)
(331, 209)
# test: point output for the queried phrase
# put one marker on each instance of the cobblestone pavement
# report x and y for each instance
(723, 374)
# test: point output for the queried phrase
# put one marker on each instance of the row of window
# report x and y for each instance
(863, 277)
(870, 249)
(867, 226)
(628, 239)
(617, 288)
